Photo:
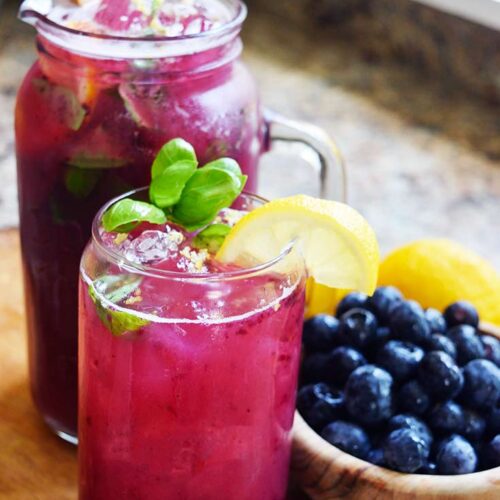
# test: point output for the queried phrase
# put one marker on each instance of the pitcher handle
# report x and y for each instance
(331, 171)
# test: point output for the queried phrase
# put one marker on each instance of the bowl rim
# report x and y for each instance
(310, 449)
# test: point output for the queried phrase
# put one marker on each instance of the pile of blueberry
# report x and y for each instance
(411, 390)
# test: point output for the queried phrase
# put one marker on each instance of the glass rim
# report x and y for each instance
(123, 47)
(227, 27)
(148, 270)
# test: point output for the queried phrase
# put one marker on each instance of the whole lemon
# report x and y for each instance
(437, 272)
(322, 298)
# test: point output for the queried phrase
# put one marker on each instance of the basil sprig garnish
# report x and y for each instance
(180, 191)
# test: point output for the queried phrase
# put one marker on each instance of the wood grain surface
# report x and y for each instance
(34, 463)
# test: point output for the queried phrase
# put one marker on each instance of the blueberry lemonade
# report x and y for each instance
(191, 307)
(91, 115)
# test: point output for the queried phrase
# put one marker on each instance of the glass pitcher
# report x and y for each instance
(91, 114)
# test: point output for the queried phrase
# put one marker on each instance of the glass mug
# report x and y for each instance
(197, 400)
(91, 114)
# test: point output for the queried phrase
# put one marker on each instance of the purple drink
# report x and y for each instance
(188, 375)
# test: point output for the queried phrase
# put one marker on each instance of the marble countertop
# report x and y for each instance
(419, 156)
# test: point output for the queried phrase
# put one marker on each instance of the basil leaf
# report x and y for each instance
(129, 212)
(117, 287)
(211, 237)
(67, 107)
(228, 165)
(95, 161)
(117, 322)
(80, 182)
(172, 152)
(206, 193)
(166, 189)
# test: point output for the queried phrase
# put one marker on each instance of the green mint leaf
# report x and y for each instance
(211, 237)
(116, 288)
(208, 191)
(166, 189)
(172, 152)
(81, 182)
(126, 213)
(69, 110)
(89, 161)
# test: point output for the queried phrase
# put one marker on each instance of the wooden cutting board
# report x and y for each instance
(34, 463)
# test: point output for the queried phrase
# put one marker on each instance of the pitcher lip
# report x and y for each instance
(54, 31)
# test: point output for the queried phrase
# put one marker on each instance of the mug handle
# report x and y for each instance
(331, 171)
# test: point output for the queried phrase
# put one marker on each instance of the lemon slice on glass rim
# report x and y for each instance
(337, 244)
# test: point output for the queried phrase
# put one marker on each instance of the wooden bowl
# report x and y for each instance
(324, 472)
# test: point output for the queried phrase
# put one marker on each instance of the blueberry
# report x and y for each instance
(440, 376)
(350, 301)
(400, 359)
(456, 456)
(468, 344)
(382, 337)
(376, 457)
(429, 468)
(319, 405)
(405, 450)
(461, 313)
(446, 418)
(408, 323)
(343, 361)
(315, 368)
(383, 301)
(358, 328)
(491, 349)
(368, 395)
(309, 395)
(473, 425)
(438, 342)
(320, 333)
(413, 398)
(493, 419)
(481, 384)
(490, 456)
(435, 320)
(348, 437)
(405, 421)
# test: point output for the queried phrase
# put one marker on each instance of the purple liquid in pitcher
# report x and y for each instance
(88, 129)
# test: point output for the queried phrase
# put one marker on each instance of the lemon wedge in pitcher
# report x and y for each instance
(338, 245)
